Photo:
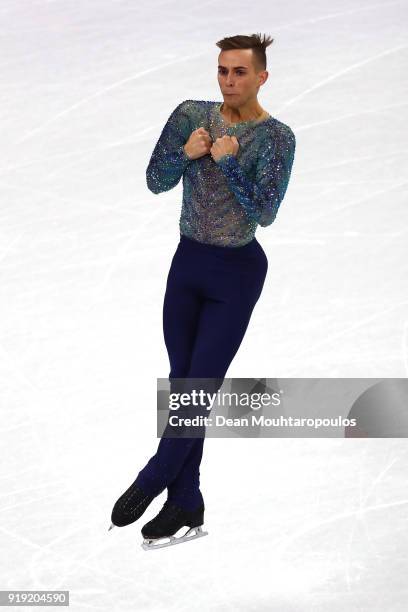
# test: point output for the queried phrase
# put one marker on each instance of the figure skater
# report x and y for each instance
(236, 161)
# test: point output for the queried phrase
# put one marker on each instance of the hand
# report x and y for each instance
(198, 144)
(224, 145)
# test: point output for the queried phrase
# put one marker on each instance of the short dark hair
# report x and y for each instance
(254, 42)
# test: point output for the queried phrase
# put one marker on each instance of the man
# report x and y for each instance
(236, 161)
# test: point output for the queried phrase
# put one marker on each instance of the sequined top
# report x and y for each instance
(223, 201)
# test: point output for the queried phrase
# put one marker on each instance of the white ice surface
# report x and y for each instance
(294, 525)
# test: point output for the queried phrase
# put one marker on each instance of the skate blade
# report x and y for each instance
(151, 544)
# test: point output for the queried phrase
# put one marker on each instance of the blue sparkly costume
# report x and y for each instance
(223, 201)
(218, 270)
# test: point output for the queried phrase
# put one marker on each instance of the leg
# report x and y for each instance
(223, 322)
(181, 311)
(185, 488)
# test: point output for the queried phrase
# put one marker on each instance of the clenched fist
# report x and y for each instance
(198, 144)
(224, 145)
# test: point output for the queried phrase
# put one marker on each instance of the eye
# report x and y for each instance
(222, 71)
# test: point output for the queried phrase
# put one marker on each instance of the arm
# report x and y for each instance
(169, 160)
(262, 199)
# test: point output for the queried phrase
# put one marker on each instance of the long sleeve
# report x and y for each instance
(261, 199)
(169, 160)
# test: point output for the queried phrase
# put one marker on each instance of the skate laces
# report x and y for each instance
(135, 491)
(169, 510)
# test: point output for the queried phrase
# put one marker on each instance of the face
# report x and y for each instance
(238, 78)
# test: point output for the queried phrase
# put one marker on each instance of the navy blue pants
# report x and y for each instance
(210, 294)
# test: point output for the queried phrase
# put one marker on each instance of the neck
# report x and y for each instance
(247, 112)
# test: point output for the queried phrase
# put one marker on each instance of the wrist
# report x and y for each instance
(185, 153)
(224, 158)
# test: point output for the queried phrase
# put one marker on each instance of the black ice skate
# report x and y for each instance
(130, 506)
(169, 520)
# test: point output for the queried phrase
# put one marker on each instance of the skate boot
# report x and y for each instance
(130, 506)
(159, 532)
